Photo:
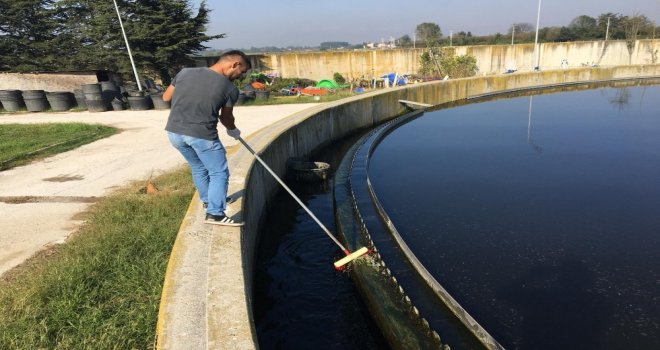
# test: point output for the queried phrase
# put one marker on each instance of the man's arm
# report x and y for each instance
(167, 95)
(227, 117)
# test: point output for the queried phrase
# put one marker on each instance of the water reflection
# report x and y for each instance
(559, 251)
(524, 266)
(621, 99)
(536, 147)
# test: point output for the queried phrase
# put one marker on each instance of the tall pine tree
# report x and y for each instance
(26, 29)
(163, 34)
(38, 35)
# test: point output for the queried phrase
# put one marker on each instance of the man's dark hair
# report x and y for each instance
(235, 53)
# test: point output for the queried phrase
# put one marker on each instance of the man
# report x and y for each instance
(201, 96)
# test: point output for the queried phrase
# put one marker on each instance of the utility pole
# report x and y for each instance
(130, 55)
(513, 31)
(451, 33)
(414, 40)
(607, 30)
(537, 52)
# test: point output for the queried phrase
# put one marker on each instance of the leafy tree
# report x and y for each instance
(405, 41)
(643, 23)
(26, 27)
(584, 27)
(337, 77)
(633, 25)
(616, 30)
(162, 35)
(429, 33)
(462, 38)
(521, 32)
(566, 34)
(498, 39)
(522, 27)
(549, 33)
(98, 42)
(334, 44)
(436, 62)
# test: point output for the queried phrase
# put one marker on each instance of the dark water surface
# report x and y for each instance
(301, 302)
(540, 215)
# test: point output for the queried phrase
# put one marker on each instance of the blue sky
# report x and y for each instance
(308, 23)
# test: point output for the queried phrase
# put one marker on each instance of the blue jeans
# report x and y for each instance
(210, 173)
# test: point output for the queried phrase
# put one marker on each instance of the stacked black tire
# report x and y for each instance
(157, 100)
(94, 98)
(60, 101)
(35, 100)
(112, 95)
(12, 100)
(80, 98)
(138, 101)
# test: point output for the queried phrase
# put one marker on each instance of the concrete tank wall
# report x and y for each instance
(491, 59)
(226, 318)
(66, 81)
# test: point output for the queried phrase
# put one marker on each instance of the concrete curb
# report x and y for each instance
(186, 283)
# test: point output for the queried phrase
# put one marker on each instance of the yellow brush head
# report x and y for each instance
(350, 257)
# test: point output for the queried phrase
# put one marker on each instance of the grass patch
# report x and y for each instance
(23, 143)
(100, 290)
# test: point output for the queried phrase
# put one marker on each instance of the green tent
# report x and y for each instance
(327, 84)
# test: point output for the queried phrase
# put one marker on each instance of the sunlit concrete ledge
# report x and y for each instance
(207, 295)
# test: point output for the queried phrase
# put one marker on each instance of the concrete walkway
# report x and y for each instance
(39, 202)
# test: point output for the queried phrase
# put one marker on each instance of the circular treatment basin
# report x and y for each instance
(300, 302)
(538, 214)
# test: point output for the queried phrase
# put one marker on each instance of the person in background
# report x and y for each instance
(199, 98)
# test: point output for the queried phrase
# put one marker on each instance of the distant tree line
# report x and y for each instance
(580, 28)
(334, 45)
(55, 35)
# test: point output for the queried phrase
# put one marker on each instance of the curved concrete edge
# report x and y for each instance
(213, 266)
(183, 300)
(364, 153)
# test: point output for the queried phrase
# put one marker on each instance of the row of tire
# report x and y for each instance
(97, 97)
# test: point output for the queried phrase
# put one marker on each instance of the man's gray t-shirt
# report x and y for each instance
(198, 96)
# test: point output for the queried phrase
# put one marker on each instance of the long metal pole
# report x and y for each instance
(325, 229)
(536, 39)
(130, 55)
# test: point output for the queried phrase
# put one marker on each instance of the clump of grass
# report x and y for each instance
(101, 289)
(23, 143)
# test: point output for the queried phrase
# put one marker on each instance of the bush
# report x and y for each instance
(337, 77)
(439, 63)
(286, 83)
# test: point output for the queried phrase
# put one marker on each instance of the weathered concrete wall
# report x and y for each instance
(46, 81)
(491, 59)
